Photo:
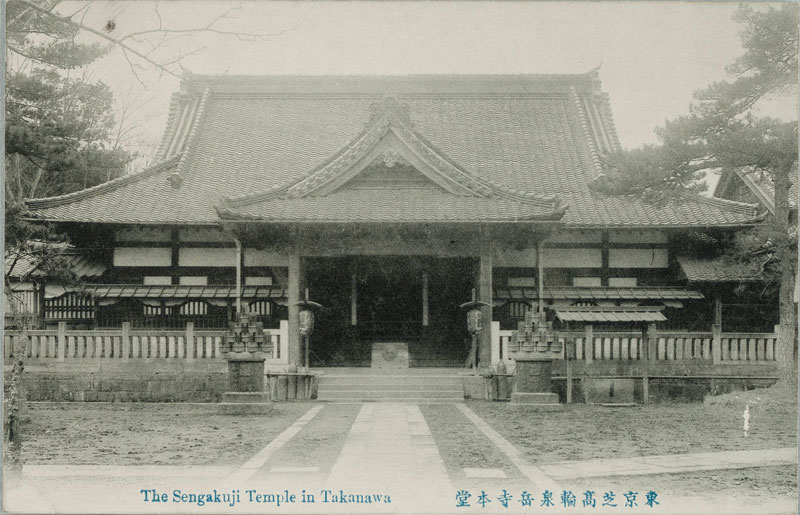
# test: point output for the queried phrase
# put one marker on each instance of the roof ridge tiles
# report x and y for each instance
(38, 203)
(171, 126)
(608, 113)
(177, 177)
(451, 84)
(735, 205)
(445, 77)
(588, 134)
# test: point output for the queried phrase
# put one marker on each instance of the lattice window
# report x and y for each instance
(261, 307)
(150, 311)
(69, 306)
(194, 308)
(518, 309)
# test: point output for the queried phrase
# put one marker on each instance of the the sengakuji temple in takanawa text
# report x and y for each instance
(391, 201)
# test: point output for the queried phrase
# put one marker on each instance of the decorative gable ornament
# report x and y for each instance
(391, 158)
(389, 108)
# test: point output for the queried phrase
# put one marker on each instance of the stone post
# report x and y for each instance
(126, 340)
(188, 353)
(62, 341)
(588, 343)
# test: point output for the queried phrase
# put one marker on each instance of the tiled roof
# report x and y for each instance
(598, 293)
(698, 269)
(182, 291)
(81, 264)
(616, 314)
(539, 137)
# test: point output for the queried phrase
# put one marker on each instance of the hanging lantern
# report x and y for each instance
(306, 322)
(474, 321)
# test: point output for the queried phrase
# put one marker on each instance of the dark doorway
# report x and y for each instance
(389, 307)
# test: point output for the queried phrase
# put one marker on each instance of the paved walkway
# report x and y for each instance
(390, 449)
(670, 463)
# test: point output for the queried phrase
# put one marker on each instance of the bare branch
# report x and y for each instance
(208, 28)
(127, 48)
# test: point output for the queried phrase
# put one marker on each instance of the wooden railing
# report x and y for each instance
(125, 344)
(713, 347)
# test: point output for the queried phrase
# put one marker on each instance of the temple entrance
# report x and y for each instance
(410, 300)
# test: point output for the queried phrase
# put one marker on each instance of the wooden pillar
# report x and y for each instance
(645, 360)
(567, 341)
(425, 299)
(40, 305)
(238, 277)
(293, 295)
(354, 299)
(540, 276)
(485, 294)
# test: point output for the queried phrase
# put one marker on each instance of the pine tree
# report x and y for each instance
(723, 131)
(58, 139)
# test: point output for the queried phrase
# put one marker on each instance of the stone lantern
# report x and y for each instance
(474, 324)
(306, 324)
(533, 348)
(245, 347)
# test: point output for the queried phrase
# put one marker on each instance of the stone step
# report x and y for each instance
(245, 397)
(388, 379)
(389, 394)
(405, 400)
(391, 386)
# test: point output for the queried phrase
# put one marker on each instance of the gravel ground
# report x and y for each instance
(462, 445)
(148, 433)
(319, 443)
(582, 432)
(753, 486)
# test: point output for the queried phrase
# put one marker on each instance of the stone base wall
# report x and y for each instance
(673, 389)
(681, 389)
(139, 381)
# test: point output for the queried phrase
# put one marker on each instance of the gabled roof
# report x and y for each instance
(760, 184)
(504, 148)
(446, 193)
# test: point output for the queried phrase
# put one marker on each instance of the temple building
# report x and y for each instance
(391, 201)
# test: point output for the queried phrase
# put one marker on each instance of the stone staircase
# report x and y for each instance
(391, 386)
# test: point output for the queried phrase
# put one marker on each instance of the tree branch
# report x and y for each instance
(106, 37)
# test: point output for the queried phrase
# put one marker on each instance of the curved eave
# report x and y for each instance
(42, 203)
(228, 214)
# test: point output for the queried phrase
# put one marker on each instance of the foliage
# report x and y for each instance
(59, 126)
(58, 135)
(723, 132)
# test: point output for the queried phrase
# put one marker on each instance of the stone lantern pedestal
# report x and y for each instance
(245, 347)
(533, 349)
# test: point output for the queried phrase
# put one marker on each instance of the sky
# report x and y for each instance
(652, 55)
